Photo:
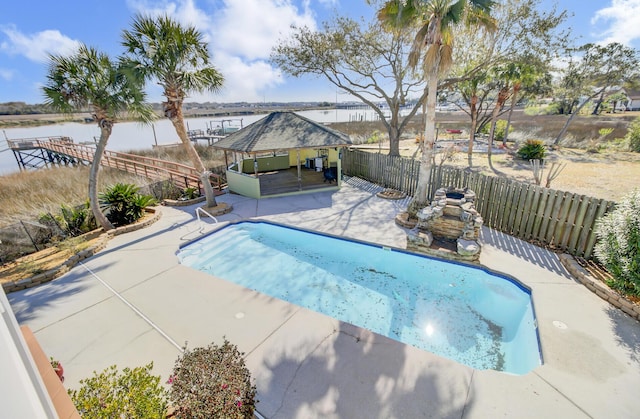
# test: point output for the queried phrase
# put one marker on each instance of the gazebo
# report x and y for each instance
(283, 154)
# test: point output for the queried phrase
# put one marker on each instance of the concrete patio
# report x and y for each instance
(134, 303)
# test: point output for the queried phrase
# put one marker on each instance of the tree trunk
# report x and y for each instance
(94, 204)
(472, 131)
(177, 120)
(394, 142)
(394, 132)
(516, 89)
(420, 198)
(502, 97)
(599, 104)
(563, 131)
(492, 131)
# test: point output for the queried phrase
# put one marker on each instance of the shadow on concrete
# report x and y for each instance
(627, 332)
(27, 302)
(527, 251)
(355, 374)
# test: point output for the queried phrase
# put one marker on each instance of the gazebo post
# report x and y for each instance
(298, 167)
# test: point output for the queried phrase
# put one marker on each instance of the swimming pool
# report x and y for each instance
(478, 318)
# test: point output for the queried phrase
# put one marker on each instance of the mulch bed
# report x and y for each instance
(391, 194)
(598, 272)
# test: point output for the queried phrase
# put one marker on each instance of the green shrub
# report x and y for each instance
(77, 220)
(212, 382)
(618, 245)
(190, 193)
(532, 150)
(122, 204)
(501, 126)
(374, 138)
(134, 393)
(73, 221)
(633, 135)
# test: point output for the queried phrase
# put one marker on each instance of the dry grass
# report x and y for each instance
(608, 174)
(211, 158)
(596, 166)
(27, 195)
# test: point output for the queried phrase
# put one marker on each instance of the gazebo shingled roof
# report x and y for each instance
(282, 131)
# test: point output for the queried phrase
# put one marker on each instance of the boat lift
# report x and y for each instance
(220, 129)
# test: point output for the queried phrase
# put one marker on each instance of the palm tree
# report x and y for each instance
(433, 47)
(89, 79)
(177, 57)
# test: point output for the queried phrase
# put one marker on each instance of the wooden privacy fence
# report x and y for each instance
(562, 220)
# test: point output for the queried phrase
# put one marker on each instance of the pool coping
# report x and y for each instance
(475, 266)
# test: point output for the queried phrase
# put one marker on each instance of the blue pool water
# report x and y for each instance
(478, 318)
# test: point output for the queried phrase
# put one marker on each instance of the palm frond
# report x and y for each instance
(419, 43)
(90, 79)
(175, 55)
(397, 14)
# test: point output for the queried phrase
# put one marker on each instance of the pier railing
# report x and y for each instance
(156, 169)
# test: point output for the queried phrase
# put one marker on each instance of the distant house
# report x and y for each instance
(633, 104)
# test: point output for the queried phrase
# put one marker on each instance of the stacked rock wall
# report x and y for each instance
(450, 217)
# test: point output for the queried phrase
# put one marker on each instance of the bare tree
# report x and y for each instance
(361, 60)
(600, 68)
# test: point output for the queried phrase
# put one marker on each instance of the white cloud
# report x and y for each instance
(245, 80)
(37, 46)
(251, 27)
(622, 18)
(184, 11)
(6, 74)
(241, 35)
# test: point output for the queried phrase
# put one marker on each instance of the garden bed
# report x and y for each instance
(48, 264)
(594, 278)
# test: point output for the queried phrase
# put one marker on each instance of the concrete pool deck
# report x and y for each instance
(134, 303)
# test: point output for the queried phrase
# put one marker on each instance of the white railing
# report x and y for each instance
(200, 223)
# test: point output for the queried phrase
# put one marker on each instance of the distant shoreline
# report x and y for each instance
(34, 120)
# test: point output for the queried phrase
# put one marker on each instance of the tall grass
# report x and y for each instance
(211, 158)
(27, 195)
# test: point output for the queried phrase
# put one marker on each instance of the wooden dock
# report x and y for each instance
(200, 135)
(39, 152)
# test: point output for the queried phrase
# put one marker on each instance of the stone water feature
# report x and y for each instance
(449, 227)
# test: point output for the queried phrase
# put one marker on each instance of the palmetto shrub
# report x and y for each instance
(132, 393)
(618, 245)
(532, 150)
(212, 382)
(122, 204)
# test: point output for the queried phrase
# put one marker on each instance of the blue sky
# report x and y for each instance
(241, 34)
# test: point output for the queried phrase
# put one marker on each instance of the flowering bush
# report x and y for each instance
(212, 382)
(134, 393)
(633, 135)
(618, 246)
